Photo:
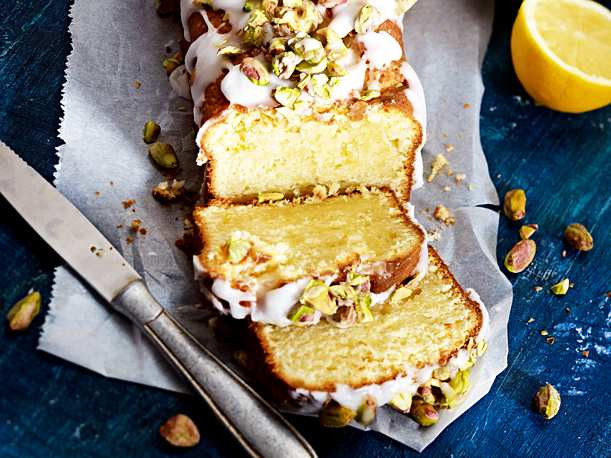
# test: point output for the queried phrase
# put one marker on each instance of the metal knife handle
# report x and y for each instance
(261, 429)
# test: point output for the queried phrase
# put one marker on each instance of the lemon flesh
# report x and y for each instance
(561, 52)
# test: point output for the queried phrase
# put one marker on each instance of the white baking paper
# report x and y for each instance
(114, 83)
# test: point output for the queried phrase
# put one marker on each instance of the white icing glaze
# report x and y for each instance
(415, 95)
(380, 49)
(274, 306)
(344, 16)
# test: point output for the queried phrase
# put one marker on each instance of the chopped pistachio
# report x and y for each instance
(163, 154)
(334, 415)
(355, 279)
(287, 96)
(363, 310)
(561, 288)
(439, 163)
(334, 45)
(309, 49)
(401, 402)
(366, 19)
(400, 294)
(335, 69)
(424, 413)
(249, 5)
(370, 94)
(284, 64)
(442, 373)
(237, 249)
(277, 45)
(180, 431)
(230, 51)
(170, 64)
(304, 80)
(316, 294)
(547, 401)
(520, 256)
(544, 332)
(269, 6)
(366, 413)
(302, 313)
(514, 204)
(579, 237)
(269, 197)
(320, 86)
(21, 314)
(255, 71)
(342, 291)
(253, 33)
(528, 230)
(312, 68)
(151, 132)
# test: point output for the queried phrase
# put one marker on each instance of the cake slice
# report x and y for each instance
(293, 95)
(293, 262)
(421, 344)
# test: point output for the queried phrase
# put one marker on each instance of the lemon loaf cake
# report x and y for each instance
(420, 344)
(291, 94)
(295, 262)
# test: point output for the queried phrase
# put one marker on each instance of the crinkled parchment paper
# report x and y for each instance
(104, 163)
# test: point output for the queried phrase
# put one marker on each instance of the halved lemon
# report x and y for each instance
(561, 52)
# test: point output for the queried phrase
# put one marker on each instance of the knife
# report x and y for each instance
(259, 428)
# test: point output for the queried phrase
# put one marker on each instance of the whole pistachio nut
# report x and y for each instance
(284, 64)
(547, 401)
(287, 96)
(402, 402)
(316, 294)
(366, 20)
(514, 204)
(520, 256)
(334, 415)
(21, 314)
(528, 230)
(424, 413)
(255, 71)
(578, 237)
(320, 85)
(237, 249)
(180, 431)
(163, 154)
(561, 288)
(151, 132)
(366, 413)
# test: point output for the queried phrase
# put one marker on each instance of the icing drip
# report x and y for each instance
(380, 49)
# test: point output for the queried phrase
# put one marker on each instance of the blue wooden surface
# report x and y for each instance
(50, 408)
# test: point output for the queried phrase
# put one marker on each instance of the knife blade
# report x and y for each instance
(258, 427)
(63, 227)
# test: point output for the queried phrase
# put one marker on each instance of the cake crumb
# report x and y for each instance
(439, 163)
(471, 186)
(137, 84)
(550, 340)
(538, 289)
(135, 225)
(119, 226)
(443, 214)
(129, 239)
(449, 147)
(544, 332)
(143, 231)
(530, 320)
(466, 105)
(169, 191)
(459, 178)
(112, 183)
(585, 353)
(433, 236)
(128, 203)
(563, 253)
(98, 193)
